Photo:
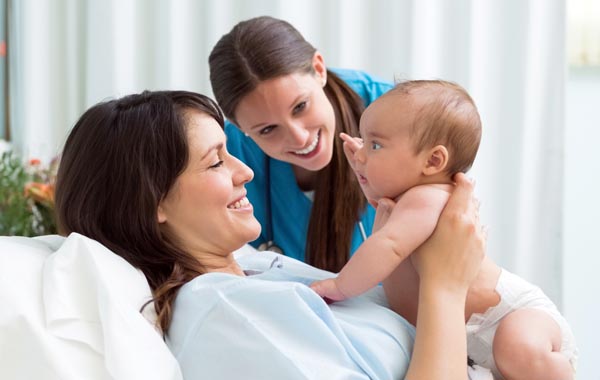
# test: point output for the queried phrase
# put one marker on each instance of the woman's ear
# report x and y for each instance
(437, 160)
(320, 68)
(161, 217)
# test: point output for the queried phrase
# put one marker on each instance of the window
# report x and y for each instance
(583, 32)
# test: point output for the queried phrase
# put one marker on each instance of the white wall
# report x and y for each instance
(581, 301)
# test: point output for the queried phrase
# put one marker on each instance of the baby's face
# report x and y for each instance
(387, 164)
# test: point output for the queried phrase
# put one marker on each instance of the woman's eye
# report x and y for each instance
(299, 107)
(266, 130)
(375, 146)
(217, 165)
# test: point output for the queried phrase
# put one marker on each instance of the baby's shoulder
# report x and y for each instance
(428, 193)
(423, 199)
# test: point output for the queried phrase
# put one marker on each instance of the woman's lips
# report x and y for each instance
(311, 150)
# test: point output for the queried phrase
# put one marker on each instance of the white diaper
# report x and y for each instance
(515, 293)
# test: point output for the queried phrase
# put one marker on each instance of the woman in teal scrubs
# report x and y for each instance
(286, 110)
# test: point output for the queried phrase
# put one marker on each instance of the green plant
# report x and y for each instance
(26, 196)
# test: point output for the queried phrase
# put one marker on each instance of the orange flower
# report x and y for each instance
(40, 192)
(34, 162)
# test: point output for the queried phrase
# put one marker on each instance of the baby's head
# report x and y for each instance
(442, 113)
(421, 131)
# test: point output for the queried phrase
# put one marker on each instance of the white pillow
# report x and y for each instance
(70, 310)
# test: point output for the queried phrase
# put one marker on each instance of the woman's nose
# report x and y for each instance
(242, 174)
(298, 135)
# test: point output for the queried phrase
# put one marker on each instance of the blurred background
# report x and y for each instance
(532, 66)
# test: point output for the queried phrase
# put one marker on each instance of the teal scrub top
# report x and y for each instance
(278, 192)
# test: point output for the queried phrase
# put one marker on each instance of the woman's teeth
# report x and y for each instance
(239, 204)
(311, 147)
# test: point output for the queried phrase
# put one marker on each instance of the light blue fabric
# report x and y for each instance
(272, 326)
(290, 208)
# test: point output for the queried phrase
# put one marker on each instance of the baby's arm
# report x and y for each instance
(411, 222)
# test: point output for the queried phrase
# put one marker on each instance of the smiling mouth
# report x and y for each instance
(239, 204)
(309, 149)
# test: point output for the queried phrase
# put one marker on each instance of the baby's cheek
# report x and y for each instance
(376, 189)
(366, 191)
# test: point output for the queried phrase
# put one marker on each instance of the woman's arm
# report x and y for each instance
(447, 264)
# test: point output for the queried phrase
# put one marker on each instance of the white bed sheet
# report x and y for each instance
(70, 310)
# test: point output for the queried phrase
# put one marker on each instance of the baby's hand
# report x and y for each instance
(351, 146)
(328, 289)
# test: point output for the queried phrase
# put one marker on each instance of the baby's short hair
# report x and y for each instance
(447, 116)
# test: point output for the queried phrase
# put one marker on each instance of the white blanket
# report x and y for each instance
(70, 310)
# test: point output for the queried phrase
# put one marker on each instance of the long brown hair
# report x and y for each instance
(120, 160)
(264, 48)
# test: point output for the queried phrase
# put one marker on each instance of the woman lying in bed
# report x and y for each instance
(149, 177)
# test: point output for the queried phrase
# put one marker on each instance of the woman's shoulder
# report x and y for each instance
(354, 75)
(368, 86)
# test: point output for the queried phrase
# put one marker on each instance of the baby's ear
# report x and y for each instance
(437, 160)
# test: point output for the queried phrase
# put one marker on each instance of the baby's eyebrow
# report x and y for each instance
(376, 135)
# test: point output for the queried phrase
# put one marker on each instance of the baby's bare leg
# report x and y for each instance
(527, 346)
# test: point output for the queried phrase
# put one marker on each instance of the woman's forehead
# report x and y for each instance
(203, 131)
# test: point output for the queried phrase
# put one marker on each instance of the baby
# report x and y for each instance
(415, 138)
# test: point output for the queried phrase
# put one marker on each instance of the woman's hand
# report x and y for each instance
(452, 256)
(447, 264)
(383, 210)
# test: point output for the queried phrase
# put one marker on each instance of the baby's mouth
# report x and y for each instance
(361, 178)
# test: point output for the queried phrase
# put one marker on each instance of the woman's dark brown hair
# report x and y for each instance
(264, 48)
(120, 160)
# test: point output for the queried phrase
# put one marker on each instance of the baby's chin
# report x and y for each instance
(372, 199)
(370, 194)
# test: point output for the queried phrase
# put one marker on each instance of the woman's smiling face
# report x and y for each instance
(207, 210)
(291, 119)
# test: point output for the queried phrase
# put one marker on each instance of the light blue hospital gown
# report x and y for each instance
(270, 325)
